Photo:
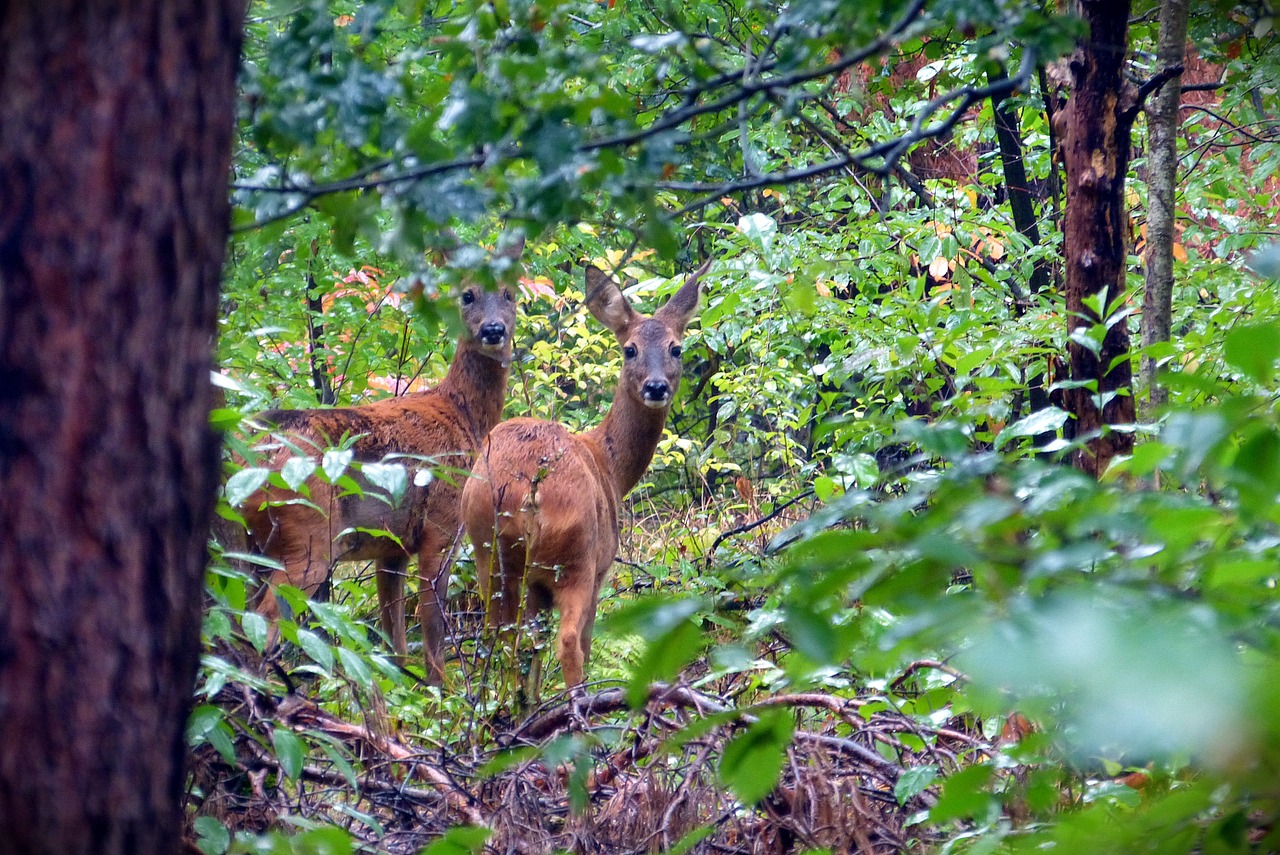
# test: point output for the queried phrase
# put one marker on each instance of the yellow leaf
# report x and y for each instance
(938, 268)
(1179, 252)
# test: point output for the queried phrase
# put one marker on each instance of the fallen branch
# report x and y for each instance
(301, 714)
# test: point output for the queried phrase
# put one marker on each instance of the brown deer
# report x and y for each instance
(544, 502)
(444, 425)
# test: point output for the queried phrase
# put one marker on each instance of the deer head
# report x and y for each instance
(651, 348)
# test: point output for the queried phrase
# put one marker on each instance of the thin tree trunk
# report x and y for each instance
(114, 152)
(1022, 206)
(1099, 117)
(1021, 199)
(1162, 176)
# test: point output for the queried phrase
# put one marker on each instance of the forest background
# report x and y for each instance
(963, 535)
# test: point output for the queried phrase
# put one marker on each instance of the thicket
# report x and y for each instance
(864, 603)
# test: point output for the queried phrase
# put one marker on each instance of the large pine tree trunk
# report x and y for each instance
(1162, 177)
(115, 144)
(1099, 116)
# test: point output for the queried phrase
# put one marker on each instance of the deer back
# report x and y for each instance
(439, 427)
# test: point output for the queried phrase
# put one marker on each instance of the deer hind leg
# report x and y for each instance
(390, 576)
(589, 621)
(433, 596)
(307, 564)
(577, 619)
(500, 564)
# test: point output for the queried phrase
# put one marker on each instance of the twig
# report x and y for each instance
(754, 524)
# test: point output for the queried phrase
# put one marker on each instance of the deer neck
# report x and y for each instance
(628, 436)
(477, 385)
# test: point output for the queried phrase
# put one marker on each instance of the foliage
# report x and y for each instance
(856, 499)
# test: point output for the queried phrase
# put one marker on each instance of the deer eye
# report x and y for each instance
(507, 293)
(676, 351)
(468, 297)
(629, 351)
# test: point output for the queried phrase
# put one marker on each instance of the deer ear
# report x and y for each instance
(680, 308)
(607, 302)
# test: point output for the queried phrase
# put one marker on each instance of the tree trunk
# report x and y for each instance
(1099, 116)
(1022, 207)
(114, 152)
(1162, 176)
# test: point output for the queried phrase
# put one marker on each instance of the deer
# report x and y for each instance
(541, 505)
(442, 427)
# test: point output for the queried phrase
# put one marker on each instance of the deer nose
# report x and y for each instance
(493, 332)
(655, 391)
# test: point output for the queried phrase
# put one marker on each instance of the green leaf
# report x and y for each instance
(1254, 349)
(335, 461)
(203, 719)
(255, 629)
(753, 760)
(663, 659)
(691, 839)
(965, 795)
(1041, 421)
(357, 669)
(289, 751)
(315, 647)
(224, 419)
(344, 765)
(296, 471)
(459, 840)
(326, 840)
(912, 782)
(391, 477)
(244, 483)
(212, 837)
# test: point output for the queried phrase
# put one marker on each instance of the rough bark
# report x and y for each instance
(1099, 117)
(1162, 175)
(114, 152)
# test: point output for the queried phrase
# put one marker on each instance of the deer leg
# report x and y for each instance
(576, 605)
(589, 621)
(433, 594)
(306, 565)
(390, 576)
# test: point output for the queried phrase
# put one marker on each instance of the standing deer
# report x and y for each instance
(544, 502)
(444, 425)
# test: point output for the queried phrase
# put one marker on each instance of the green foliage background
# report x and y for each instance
(858, 380)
